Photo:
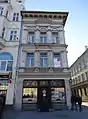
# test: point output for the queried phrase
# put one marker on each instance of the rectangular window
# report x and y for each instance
(43, 38)
(31, 37)
(15, 16)
(3, 32)
(9, 65)
(55, 37)
(30, 59)
(3, 65)
(85, 91)
(6, 14)
(1, 10)
(13, 35)
(57, 62)
(43, 60)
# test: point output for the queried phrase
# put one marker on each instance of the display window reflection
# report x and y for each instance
(58, 95)
(29, 95)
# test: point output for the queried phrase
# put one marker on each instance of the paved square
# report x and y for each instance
(65, 114)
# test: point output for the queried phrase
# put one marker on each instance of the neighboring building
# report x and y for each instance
(79, 76)
(43, 76)
(10, 24)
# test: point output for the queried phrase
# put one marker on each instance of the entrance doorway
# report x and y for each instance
(44, 99)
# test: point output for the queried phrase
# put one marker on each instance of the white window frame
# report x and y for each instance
(15, 16)
(44, 38)
(1, 10)
(6, 64)
(31, 38)
(55, 37)
(13, 33)
(55, 58)
(43, 59)
(29, 60)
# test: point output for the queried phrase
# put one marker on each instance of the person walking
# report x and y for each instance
(73, 102)
(79, 100)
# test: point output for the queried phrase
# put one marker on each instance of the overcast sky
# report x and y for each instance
(76, 28)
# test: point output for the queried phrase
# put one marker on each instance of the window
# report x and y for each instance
(1, 10)
(9, 65)
(43, 38)
(30, 59)
(85, 91)
(6, 14)
(57, 62)
(86, 73)
(6, 61)
(43, 60)
(31, 37)
(3, 32)
(15, 16)
(13, 35)
(55, 37)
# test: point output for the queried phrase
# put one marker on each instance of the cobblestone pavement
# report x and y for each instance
(64, 114)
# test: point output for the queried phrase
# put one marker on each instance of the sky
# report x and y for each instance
(76, 28)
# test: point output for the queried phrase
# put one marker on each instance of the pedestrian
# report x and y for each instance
(73, 102)
(1, 106)
(79, 100)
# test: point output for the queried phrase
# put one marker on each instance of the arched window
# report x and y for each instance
(6, 61)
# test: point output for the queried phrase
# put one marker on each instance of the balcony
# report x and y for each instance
(2, 43)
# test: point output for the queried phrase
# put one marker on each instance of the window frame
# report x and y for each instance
(43, 60)
(6, 65)
(1, 11)
(55, 56)
(30, 59)
(13, 35)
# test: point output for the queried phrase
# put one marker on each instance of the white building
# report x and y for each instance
(10, 26)
(79, 76)
(43, 77)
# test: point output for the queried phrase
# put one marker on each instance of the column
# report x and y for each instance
(18, 94)
(23, 59)
(68, 93)
(37, 59)
(50, 59)
(61, 37)
(64, 60)
(10, 93)
(37, 36)
(25, 36)
(49, 36)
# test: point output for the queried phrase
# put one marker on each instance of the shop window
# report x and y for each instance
(29, 95)
(58, 95)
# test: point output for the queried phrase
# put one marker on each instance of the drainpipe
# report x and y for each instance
(18, 59)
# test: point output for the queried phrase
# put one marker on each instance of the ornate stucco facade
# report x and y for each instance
(38, 42)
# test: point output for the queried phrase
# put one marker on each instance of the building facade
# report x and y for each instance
(79, 76)
(43, 77)
(10, 24)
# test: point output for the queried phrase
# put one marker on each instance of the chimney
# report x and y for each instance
(86, 47)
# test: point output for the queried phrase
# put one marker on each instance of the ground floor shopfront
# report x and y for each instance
(42, 92)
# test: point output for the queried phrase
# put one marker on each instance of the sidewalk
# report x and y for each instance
(65, 114)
